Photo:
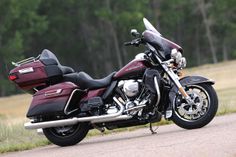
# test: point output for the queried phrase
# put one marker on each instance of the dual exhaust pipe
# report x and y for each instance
(72, 121)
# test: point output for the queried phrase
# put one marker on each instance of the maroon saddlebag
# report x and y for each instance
(59, 99)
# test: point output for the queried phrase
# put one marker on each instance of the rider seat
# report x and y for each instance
(84, 81)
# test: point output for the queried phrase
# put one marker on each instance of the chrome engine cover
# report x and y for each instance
(131, 88)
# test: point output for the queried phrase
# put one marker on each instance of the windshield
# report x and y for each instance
(150, 27)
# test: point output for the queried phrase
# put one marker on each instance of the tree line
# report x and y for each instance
(88, 35)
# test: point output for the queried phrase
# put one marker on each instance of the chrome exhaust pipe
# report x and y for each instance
(75, 120)
(121, 117)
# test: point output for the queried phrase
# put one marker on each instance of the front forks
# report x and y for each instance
(175, 79)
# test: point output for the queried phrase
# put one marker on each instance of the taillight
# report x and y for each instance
(12, 77)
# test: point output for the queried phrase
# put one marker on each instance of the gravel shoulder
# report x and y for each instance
(217, 139)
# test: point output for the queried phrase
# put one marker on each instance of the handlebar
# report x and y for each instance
(135, 42)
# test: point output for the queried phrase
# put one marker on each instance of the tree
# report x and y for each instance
(202, 6)
(18, 23)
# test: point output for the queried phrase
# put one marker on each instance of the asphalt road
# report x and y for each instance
(218, 139)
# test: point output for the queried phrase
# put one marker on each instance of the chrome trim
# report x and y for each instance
(68, 102)
(53, 92)
(75, 120)
(136, 107)
(24, 61)
(158, 90)
(168, 114)
(26, 70)
(36, 90)
(40, 132)
(175, 79)
(121, 117)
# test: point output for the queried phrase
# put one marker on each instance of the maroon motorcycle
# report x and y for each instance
(67, 104)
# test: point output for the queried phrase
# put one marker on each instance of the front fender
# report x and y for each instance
(188, 80)
(191, 80)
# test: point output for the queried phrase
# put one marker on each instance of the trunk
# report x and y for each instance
(125, 54)
(86, 32)
(106, 48)
(206, 21)
(114, 37)
(225, 53)
(2, 78)
(197, 50)
(155, 6)
(116, 44)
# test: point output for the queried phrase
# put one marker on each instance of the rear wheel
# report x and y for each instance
(201, 112)
(67, 135)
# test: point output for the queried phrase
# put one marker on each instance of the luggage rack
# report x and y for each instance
(24, 61)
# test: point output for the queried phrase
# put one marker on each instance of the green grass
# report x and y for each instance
(13, 137)
(227, 101)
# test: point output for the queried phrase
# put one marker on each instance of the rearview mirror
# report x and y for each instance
(134, 32)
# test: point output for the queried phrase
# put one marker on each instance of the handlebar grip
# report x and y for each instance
(127, 43)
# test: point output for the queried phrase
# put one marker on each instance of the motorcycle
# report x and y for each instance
(67, 104)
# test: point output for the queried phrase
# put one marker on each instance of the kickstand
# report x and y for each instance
(101, 129)
(151, 129)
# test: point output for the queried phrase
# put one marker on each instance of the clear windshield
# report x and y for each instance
(150, 27)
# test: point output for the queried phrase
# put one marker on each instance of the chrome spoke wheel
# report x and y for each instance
(195, 111)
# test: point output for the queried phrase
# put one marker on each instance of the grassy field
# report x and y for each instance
(224, 75)
(13, 137)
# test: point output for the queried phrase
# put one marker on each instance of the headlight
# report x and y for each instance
(178, 59)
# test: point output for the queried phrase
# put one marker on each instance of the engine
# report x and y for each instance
(131, 88)
(136, 96)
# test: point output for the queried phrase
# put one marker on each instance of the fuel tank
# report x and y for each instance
(132, 70)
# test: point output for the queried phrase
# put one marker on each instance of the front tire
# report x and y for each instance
(67, 135)
(197, 115)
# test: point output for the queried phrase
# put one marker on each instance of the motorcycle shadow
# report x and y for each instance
(121, 137)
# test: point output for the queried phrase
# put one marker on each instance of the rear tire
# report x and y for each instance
(68, 135)
(203, 114)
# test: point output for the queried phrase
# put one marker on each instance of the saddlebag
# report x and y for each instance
(56, 100)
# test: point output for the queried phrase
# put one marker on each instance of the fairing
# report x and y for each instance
(163, 45)
(155, 39)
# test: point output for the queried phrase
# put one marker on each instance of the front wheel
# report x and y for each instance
(67, 135)
(198, 114)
